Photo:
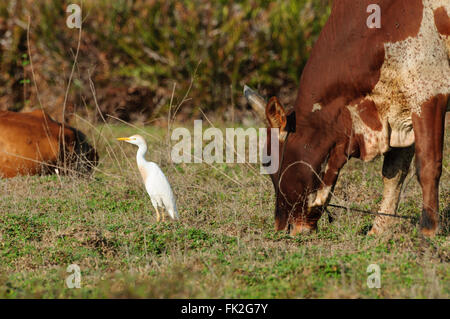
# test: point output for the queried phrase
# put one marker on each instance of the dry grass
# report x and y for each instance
(224, 245)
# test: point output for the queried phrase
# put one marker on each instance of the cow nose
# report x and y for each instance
(301, 228)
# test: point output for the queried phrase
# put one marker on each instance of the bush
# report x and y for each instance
(136, 50)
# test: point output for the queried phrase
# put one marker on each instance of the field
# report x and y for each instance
(224, 245)
(122, 73)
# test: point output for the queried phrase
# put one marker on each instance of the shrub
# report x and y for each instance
(136, 50)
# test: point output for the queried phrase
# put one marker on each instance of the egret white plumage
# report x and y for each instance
(156, 183)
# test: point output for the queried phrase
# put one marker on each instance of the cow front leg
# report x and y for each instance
(338, 157)
(395, 169)
(318, 200)
(429, 134)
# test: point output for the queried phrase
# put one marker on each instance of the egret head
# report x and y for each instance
(135, 139)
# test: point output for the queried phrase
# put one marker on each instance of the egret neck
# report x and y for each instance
(140, 155)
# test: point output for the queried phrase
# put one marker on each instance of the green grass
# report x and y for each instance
(224, 245)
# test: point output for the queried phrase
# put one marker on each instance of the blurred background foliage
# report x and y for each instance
(134, 54)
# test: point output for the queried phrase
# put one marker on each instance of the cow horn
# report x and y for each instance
(257, 102)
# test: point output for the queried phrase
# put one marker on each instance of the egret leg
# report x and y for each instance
(158, 215)
(163, 217)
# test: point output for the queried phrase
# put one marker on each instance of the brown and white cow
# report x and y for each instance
(365, 92)
(31, 143)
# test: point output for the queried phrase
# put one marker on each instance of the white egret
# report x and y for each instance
(156, 183)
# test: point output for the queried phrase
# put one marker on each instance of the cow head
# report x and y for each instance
(294, 178)
(76, 155)
(83, 156)
(75, 152)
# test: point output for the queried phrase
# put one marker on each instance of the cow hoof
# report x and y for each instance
(302, 229)
(427, 232)
(428, 225)
(376, 231)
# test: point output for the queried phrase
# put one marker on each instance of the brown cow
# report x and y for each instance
(30, 144)
(365, 92)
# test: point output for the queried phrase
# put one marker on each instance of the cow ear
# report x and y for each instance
(276, 115)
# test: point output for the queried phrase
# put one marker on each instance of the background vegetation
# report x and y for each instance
(224, 245)
(138, 61)
(136, 51)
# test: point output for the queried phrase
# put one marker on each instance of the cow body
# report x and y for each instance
(366, 92)
(31, 143)
(381, 76)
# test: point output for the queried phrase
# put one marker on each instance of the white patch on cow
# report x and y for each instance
(324, 168)
(282, 136)
(375, 142)
(311, 199)
(414, 71)
(316, 107)
(320, 197)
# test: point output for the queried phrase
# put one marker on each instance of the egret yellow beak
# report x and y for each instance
(124, 139)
